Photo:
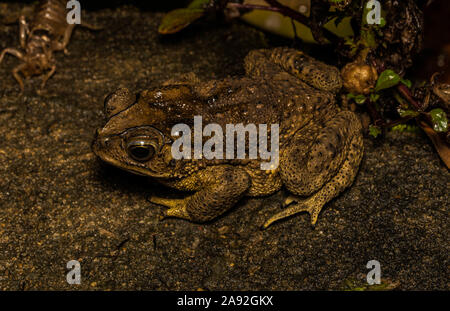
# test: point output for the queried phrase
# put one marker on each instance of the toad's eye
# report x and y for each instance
(141, 150)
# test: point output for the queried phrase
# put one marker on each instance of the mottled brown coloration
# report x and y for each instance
(320, 145)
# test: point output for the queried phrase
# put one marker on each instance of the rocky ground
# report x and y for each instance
(58, 202)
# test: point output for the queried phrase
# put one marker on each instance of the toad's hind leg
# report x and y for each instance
(313, 205)
(268, 62)
(325, 168)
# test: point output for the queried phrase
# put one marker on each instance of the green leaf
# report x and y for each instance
(405, 128)
(382, 22)
(439, 118)
(406, 82)
(368, 37)
(387, 79)
(374, 131)
(399, 127)
(198, 4)
(179, 19)
(350, 42)
(338, 20)
(359, 99)
(374, 97)
(407, 113)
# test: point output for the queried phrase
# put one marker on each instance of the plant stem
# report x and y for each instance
(398, 121)
(377, 120)
(290, 12)
(407, 94)
(253, 7)
(275, 6)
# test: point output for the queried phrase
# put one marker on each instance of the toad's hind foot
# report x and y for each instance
(313, 207)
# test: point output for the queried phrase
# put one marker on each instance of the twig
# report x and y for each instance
(285, 10)
(289, 12)
(398, 121)
(377, 120)
(275, 6)
(253, 7)
(407, 94)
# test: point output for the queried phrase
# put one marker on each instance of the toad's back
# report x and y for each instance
(283, 100)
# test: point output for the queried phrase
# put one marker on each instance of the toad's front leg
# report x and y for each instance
(217, 189)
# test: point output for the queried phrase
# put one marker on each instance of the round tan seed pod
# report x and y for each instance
(359, 78)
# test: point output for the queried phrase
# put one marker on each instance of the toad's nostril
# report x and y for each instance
(105, 141)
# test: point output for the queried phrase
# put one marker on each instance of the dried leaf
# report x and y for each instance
(441, 146)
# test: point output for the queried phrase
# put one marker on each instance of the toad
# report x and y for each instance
(320, 145)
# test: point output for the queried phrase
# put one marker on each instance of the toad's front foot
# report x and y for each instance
(177, 207)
